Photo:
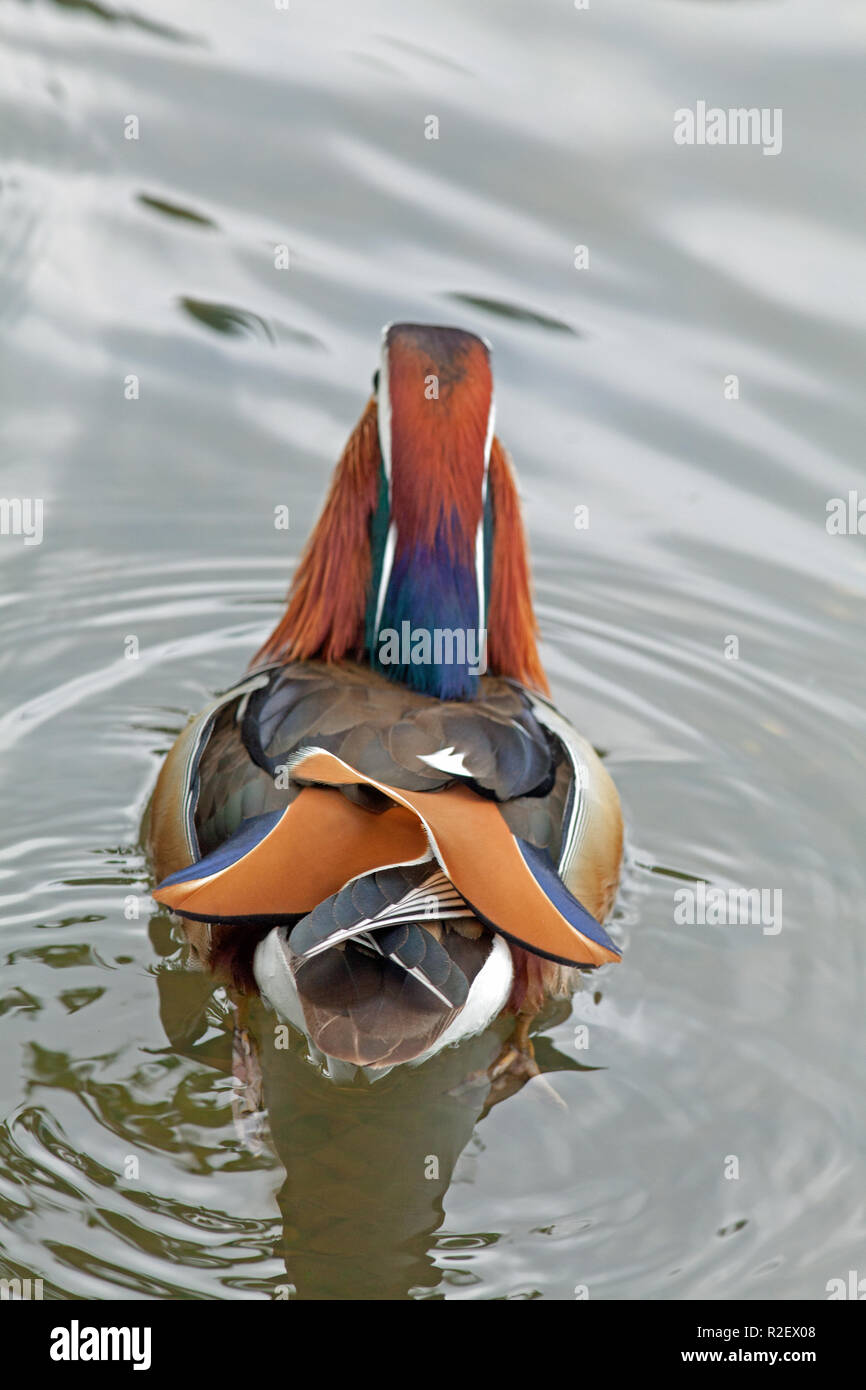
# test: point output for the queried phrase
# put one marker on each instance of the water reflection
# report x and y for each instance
(132, 18)
(707, 518)
(367, 1166)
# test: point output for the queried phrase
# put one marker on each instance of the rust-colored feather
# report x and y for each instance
(512, 626)
(324, 616)
(325, 612)
(437, 443)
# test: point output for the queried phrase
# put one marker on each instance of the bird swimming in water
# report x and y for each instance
(386, 827)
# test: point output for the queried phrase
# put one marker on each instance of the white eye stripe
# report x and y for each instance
(387, 566)
(383, 410)
(479, 535)
(488, 443)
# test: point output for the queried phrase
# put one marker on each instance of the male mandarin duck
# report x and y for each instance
(386, 826)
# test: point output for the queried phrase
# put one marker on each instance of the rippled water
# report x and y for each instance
(122, 1173)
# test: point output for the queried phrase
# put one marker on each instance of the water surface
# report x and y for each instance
(122, 1174)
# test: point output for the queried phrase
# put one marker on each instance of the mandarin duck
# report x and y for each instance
(386, 827)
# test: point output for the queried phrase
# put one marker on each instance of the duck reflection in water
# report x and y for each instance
(367, 1164)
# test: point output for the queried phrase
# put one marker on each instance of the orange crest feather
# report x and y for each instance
(324, 616)
(511, 623)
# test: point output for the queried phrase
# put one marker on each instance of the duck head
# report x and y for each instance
(432, 528)
(418, 563)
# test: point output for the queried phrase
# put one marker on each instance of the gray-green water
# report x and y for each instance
(121, 1173)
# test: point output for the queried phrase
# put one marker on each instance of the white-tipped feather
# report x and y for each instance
(447, 760)
(488, 995)
(434, 900)
(414, 971)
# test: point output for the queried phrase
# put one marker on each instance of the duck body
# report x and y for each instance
(392, 835)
